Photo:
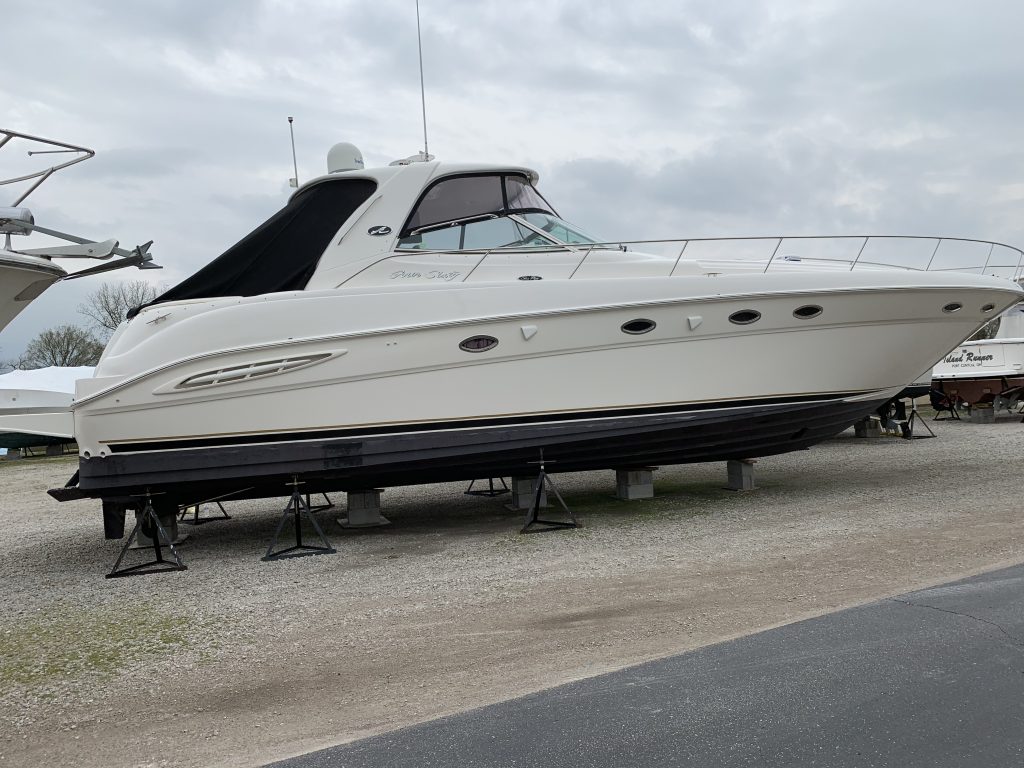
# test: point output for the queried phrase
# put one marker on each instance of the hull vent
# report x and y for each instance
(258, 370)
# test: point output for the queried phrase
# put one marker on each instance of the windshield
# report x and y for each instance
(483, 212)
(527, 230)
(561, 231)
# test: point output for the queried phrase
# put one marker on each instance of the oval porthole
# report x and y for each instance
(530, 277)
(953, 306)
(745, 317)
(988, 307)
(807, 311)
(636, 327)
(478, 344)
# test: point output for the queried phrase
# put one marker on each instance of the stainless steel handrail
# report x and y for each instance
(771, 260)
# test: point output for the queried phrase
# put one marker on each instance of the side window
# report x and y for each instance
(446, 239)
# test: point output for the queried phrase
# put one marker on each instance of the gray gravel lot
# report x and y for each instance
(238, 662)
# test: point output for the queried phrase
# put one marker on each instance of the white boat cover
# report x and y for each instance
(52, 379)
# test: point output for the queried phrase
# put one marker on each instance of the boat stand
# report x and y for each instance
(298, 507)
(532, 514)
(328, 504)
(491, 490)
(196, 519)
(160, 538)
(916, 418)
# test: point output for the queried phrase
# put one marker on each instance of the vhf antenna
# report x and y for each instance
(423, 92)
(293, 182)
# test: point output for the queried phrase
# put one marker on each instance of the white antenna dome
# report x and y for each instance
(344, 157)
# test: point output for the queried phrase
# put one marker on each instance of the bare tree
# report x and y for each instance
(64, 345)
(107, 307)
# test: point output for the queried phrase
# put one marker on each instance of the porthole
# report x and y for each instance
(953, 306)
(988, 307)
(807, 311)
(636, 327)
(478, 344)
(745, 317)
(530, 277)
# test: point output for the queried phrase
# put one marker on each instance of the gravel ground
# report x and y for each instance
(237, 662)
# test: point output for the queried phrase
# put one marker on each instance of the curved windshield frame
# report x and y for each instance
(485, 212)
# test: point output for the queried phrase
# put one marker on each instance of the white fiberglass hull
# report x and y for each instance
(336, 370)
(22, 279)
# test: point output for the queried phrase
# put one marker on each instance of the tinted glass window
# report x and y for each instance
(522, 196)
(458, 198)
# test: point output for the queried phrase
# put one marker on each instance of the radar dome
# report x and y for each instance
(344, 157)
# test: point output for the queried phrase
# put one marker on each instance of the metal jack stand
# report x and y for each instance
(915, 417)
(532, 513)
(160, 540)
(297, 508)
(328, 504)
(196, 519)
(491, 490)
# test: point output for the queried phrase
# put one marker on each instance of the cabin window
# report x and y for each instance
(636, 327)
(745, 317)
(988, 307)
(807, 311)
(953, 306)
(478, 344)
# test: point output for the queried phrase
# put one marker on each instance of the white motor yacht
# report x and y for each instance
(426, 322)
(986, 370)
(26, 273)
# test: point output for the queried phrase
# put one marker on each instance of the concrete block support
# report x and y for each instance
(523, 491)
(364, 510)
(634, 483)
(981, 414)
(741, 474)
(869, 426)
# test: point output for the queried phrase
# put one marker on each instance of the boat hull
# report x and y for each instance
(414, 454)
(350, 390)
(23, 279)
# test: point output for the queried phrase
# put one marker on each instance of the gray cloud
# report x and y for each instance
(646, 119)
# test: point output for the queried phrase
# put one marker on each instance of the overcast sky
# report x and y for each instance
(645, 119)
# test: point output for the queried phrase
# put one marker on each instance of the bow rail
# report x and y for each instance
(791, 252)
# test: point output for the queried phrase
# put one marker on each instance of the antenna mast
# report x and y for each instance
(293, 182)
(423, 92)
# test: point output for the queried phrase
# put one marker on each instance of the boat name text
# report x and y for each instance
(968, 357)
(434, 274)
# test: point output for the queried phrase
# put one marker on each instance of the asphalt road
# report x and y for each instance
(930, 678)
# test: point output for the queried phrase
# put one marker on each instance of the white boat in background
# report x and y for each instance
(427, 322)
(986, 370)
(40, 391)
(26, 273)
